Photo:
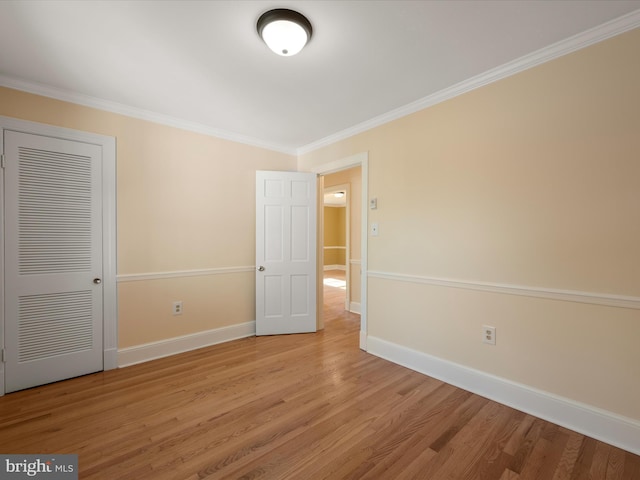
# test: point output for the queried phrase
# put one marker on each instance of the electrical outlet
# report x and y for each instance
(489, 334)
(177, 307)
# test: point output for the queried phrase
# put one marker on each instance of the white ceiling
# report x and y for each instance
(201, 64)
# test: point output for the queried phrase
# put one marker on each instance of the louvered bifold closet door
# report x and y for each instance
(53, 259)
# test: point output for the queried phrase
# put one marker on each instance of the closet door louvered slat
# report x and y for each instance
(53, 316)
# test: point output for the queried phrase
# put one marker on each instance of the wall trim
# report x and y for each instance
(135, 277)
(335, 267)
(363, 340)
(576, 42)
(354, 307)
(134, 112)
(622, 432)
(605, 299)
(357, 160)
(185, 343)
(111, 358)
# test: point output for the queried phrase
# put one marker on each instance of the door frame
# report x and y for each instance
(109, 250)
(357, 160)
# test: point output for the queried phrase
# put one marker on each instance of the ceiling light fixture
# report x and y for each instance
(286, 32)
(338, 194)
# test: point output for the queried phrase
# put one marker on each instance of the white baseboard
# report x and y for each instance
(151, 351)
(335, 267)
(354, 307)
(600, 424)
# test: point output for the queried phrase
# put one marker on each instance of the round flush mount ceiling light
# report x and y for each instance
(286, 32)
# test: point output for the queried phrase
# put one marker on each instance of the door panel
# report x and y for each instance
(53, 254)
(285, 252)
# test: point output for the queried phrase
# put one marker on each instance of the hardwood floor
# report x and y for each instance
(308, 406)
(335, 294)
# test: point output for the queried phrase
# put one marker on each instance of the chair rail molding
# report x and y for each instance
(135, 277)
(609, 300)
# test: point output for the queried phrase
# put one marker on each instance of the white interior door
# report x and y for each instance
(285, 252)
(53, 259)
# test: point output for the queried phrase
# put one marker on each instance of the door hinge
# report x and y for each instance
(2, 160)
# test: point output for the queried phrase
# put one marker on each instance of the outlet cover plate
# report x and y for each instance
(489, 334)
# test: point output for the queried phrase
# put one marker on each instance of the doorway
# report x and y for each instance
(342, 213)
(358, 160)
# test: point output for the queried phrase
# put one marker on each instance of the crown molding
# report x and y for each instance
(139, 113)
(581, 40)
(576, 42)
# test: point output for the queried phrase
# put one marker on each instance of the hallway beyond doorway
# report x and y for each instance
(334, 299)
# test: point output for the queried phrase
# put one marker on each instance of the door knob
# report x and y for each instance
(97, 281)
(261, 268)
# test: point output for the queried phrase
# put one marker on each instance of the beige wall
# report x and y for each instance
(186, 201)
(353, 178)
(531, 181)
